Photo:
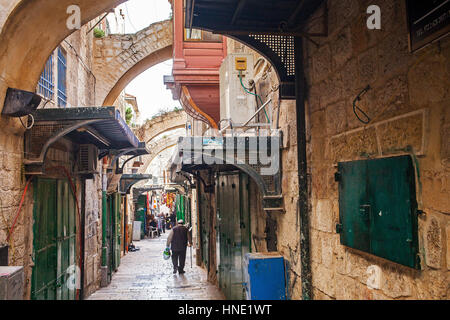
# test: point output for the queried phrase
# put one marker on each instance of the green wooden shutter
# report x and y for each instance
(353, 210)
(393, 225)
(378, 209)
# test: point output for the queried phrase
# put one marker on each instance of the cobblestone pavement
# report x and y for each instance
(145, 275)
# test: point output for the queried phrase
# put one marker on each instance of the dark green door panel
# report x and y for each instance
(393, 226)
(353, 205)
(234, 232)
(45, 252)
(54, 240)
(378, 208)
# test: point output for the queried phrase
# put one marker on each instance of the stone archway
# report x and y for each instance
(118, 59)
(159, 125)
(31, 30)
(156, 148)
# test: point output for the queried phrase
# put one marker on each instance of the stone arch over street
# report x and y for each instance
(41, 27)
(156, 148)
(118, 59)
(164, 123)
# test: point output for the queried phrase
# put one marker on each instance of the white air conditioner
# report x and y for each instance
(87, 160)
(235, 103)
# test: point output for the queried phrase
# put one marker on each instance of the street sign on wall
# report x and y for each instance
(428, 21)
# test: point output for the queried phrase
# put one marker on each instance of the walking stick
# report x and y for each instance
(190, 230)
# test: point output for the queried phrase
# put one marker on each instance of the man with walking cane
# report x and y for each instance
(178, 240)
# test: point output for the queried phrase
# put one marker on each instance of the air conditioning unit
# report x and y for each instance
(11, 283)
(87, 160)
(235, 103)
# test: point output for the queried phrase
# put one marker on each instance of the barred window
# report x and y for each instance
(62, 71)
(46, 85)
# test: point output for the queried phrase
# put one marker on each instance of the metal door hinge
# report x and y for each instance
(339, 228)
(337, 177)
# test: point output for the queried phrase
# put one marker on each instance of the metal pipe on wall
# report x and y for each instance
(303, 201)
(104, 276)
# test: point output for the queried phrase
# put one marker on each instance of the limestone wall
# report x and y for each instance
(80, 92)
(118, 59)
(409, 106)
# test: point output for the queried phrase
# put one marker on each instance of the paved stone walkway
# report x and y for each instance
(145, 275)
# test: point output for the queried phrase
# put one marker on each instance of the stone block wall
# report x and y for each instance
(116, 55)
(409, 105)
(80, 92)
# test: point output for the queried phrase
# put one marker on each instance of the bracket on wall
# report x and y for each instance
(200, 159)
(127, 181)
(133, 152)
(19, 103)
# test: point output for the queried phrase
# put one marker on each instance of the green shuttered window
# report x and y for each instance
(378, 208)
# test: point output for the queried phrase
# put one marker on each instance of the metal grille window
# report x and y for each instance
(46, 85)
(62, 71)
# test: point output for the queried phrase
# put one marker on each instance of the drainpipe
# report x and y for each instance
(305, 256)
(104, 272)
(83, 235)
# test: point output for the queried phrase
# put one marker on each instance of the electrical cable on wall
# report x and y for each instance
(355, 107)
(253, 94)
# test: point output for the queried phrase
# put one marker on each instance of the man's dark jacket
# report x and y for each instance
(180, 238)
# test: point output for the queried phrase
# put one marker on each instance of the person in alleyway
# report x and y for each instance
(154, 225)
(178, 241)
(163, 222)
(173, 218)
(160, 222)
(168, 222)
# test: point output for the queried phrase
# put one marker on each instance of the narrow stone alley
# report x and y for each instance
(145, 275)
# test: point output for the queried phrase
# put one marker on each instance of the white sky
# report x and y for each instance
(149, 89)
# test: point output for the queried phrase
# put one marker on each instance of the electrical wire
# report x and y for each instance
(129, 20)
(30, 126)
(74, 192)
(355, 107)
(253, 94)
(18, 210)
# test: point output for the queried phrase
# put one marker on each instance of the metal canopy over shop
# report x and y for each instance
(193, 156)
(127, 181)
(268, 26)
(99, 126)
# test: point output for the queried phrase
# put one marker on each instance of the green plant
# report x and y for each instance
(99, 33)
(128, 115)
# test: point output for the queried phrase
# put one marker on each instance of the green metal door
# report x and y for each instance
(378, 208)
(141, 209)
(116, 223)
(234, 232)
(204, 228)
(54, 241)
(180, 207)
(113, 233)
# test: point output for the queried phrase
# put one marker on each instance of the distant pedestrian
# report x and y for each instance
(179, 239)
(173, 218)
(159, 220)
(163, 222)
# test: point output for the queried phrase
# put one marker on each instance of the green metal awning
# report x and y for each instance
(127, 181)
(267, 26)
(100, 126)
(250, 16)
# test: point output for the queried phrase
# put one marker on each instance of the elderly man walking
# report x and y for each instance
(179, 239)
